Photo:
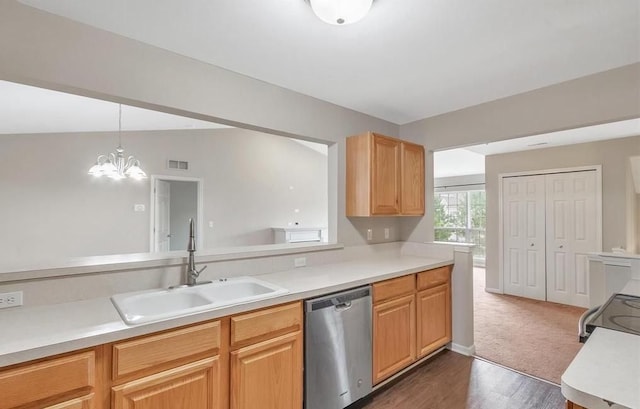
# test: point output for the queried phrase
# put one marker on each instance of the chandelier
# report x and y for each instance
(114, 165)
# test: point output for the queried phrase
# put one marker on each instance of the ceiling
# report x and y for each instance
(470, 160)
(407, 60)
(29, 110)
(613, 130)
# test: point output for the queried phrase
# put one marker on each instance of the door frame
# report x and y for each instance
(199, 207)
(502, 176)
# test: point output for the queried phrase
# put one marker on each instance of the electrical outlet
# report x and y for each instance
(13, 299)
(369, 234)
(299, 261)
(386, 232)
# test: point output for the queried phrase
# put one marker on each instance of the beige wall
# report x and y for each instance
(612, 155)
(63, 212)
(43, 49)
(608, 96)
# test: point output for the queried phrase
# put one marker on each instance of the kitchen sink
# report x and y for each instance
(154, 305)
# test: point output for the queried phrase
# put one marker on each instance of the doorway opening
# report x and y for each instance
(459, 200)
(174, 200)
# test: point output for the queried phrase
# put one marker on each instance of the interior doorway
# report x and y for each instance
(174, 200)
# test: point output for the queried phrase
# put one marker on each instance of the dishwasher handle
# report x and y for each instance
(340, 301)
(341, 306)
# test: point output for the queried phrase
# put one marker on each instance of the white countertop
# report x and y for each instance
(37, 332)
(617, 255)
(607, 368)
(632, 288)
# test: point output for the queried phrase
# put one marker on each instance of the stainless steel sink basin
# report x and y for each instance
(145, 306)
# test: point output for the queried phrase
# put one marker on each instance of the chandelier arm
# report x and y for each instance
(101, 159)
(130, 161)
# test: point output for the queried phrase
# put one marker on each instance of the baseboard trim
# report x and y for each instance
(400, 373)
(493, 290)
(463, 350)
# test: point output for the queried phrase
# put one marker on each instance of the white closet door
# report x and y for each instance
(571, 235)
(524, 236)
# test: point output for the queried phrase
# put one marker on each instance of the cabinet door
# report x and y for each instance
(268, 375)
(433, 318)
(394, 336)
(85, 402)
(192, 386)
(412, 179)
(385, 176)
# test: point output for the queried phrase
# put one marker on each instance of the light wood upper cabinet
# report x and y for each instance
(385, 176)
(268, 372)
(412, 179)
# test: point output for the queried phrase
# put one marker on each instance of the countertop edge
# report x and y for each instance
(575, 381)
(118, 330)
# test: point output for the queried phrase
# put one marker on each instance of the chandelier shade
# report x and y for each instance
(114, 165)
(340, 12)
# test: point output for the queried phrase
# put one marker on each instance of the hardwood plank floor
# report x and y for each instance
(453, 381)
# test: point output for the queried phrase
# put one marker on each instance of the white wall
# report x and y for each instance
(52, 208)
(612, 155)
(42, 49)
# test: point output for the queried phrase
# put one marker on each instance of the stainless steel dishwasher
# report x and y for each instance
(337, 349)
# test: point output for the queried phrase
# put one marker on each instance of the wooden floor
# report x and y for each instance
(453, 381)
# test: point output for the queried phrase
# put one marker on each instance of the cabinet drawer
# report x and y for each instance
(86, 402)
(268, 323)
(396, 287)
(151, 351)
(47, 380)
(435, 277)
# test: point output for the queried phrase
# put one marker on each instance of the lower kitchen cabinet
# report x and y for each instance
(266, 358)
(85, 402)
(268, 375)
(433, 318)
(394, 336)
(192, 386)
(411, 319)
(67, 381)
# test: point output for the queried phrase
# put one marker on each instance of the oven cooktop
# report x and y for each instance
(620, 313)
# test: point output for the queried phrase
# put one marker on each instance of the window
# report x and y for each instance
(461, 217)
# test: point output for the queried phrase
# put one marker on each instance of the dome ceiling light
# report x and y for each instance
(340, 12)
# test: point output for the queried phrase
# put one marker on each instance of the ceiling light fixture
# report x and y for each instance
(340, 12)
(114, 165)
